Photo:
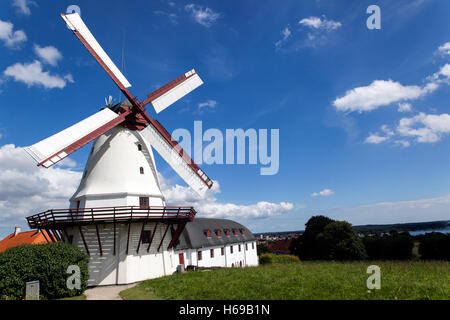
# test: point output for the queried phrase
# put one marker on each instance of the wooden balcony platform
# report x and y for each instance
(60, 218)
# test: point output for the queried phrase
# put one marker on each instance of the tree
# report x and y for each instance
(396, 246)
(339, 241)
(306, 246)
(435, 245)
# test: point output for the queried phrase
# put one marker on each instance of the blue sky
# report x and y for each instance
(362, 114)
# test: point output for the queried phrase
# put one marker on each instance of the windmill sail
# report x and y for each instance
(76, 24)
(58, 146)
(174, 155)
(173, 91)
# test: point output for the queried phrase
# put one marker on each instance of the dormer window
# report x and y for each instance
(242, 231)
(227, 232)
(235, 231)
(219, 232)
(208, 233)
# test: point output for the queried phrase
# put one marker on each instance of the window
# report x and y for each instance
(219, 232)
(242, 231)
(208, 233)
(253, 245)
(231, 249)
(239, 248)
(212, 253)
(146, 236)
(139, 147)
(199, 255)
(222, 251)
(143, 202)
(235, 231)
(141, 170)
(227, 232)
(246, 247)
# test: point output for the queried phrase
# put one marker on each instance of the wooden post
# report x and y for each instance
(177, 234)
(140, 238)
(84, 240)
(98, 239)
(151, 239)
(128, 238)
(160, 244)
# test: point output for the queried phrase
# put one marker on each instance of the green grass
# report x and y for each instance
(307, 280)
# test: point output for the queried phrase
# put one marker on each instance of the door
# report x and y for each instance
(181, 258)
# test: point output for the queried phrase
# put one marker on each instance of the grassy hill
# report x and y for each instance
(306, 280)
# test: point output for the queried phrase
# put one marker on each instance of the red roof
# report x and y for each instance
(28, 237)
(280, 246)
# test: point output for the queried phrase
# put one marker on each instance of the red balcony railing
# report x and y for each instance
(55, 218)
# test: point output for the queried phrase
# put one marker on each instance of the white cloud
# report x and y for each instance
(404, 107)
(379, 93)
(32, 74)
(11, 38)
(23, 6)
(285, 34)
(207, 104)
(208, 206)
(419, 210)
(323, 193)
(375, 138)
(425, 128)
(48, 54)
(319, 23)
(27, 189)
(445, 48)
(204, 16)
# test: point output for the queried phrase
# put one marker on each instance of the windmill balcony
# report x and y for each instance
(60, 218)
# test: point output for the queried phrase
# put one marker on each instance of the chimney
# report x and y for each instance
(17, 231)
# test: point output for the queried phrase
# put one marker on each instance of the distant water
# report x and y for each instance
(416, 233)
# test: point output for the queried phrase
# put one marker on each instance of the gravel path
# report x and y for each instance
(106, 292)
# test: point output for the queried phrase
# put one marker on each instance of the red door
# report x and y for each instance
(181, 258)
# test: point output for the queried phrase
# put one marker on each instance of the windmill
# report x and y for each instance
(119, 196)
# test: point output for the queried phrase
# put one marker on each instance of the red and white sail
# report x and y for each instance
(58, 146)
(173, 91)
(174, 155)
(76, 24)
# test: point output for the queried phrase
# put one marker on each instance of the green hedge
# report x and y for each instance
(268, 258)
(47, 263)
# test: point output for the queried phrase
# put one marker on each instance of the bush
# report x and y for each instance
(262, 248)
(434, 246)
(47, 263)
(397, 246)
(269, 258)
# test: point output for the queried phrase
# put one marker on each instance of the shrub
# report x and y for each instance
(47, 263)
(269, 258)
(262, 248)
(435, 246)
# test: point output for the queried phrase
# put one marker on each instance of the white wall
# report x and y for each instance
(246, 257)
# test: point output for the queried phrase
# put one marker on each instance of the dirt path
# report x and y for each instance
(106, 292)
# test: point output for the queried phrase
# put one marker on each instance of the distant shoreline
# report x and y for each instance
(412, 227)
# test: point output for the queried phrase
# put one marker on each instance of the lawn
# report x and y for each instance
(306, 280)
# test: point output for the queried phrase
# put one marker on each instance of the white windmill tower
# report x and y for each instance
(118, 213)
